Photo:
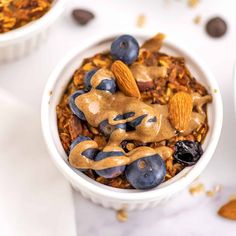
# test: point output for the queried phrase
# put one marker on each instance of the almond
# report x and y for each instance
(228, 210)
(180, 110)
(125, 79)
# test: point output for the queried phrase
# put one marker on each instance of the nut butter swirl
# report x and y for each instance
(98, 105)
(78, 160)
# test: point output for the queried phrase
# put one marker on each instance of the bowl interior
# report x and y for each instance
(63, 74)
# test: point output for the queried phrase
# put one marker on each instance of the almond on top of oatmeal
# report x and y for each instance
(140, 109)
(14, 14)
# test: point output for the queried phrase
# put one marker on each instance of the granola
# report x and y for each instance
(17, 13)
(172, 77)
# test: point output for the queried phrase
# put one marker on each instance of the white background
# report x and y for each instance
(185, 215)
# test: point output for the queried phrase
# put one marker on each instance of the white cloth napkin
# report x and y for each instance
(35, 199)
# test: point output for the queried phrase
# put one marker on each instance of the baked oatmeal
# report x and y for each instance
(133, 117)
(17, 13)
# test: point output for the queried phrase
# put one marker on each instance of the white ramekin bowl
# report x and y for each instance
(21, 41)
(105, 195)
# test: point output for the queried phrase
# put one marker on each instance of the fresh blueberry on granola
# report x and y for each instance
(88, 153)
(146, 115)
(74, 107)
(106, 129)
(87, 79)
(110, 172)
(108, 85)
(146, 173)
(125, 48)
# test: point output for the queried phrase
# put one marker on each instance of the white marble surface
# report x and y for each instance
(185, 215)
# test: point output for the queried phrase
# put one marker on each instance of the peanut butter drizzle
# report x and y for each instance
(77, 159)
(98, 105)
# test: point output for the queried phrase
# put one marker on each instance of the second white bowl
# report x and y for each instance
(21, 41)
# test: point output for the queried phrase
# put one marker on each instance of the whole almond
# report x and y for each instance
(180, 110)
(228, 210)
(125, 79)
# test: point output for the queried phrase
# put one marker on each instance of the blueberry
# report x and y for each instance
(73, 106)
(146, 173)
(87, 79)
(125, 48)
(106, 129)
(107, 85)
(187, 152)
(109, 172)
(136, 121)
(78, 140)
(89, 153)
(128, 114)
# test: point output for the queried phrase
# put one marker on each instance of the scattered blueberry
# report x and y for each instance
(107, 85)
(109, 172)
(87, 79)
(89, 153)
(106, 129)
(187, 152)
(125, 48)
(73, 106)
(146, 173)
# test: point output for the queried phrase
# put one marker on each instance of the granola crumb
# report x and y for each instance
(196, 189)
(197, 20)
(141, 20)
(122, 215)
(193, 3)
(214, 191)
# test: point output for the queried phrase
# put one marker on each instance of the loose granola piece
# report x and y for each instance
(214, 191)
(141, 20)
(122, 215)
(196, 189)
(193, 3)
(197, 20)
